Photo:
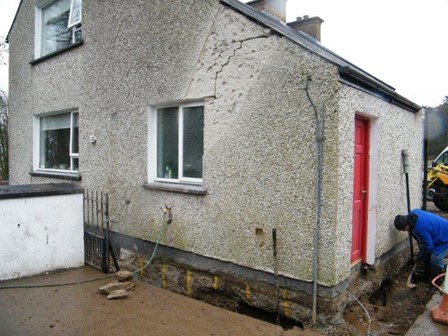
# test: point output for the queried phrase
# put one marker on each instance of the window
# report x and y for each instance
(58, 142)
(442, 159)
(58, 25)
(179, 143)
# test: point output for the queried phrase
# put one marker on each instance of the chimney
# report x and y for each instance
(276, 8)
(310, 26)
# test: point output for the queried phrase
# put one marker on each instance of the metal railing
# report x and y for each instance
(97, 245)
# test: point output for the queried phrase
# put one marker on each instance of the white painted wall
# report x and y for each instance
(40, 234)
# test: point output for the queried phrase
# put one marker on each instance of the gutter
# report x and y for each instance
(347, 70)
(387, 94)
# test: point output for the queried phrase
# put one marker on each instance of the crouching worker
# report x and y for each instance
(431, 232)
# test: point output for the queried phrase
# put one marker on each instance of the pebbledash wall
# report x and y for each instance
(259, 140)
(42, 229)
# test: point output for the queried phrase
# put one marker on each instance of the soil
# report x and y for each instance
(80, 310)
(75, 310)
(392, 309)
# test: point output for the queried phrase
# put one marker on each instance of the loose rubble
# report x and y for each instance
(118, 289)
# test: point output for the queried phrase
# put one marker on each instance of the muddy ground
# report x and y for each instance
(392, 309)
(80, 310)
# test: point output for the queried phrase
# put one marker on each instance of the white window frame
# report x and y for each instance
(36, 143)
(39, 5)
(70, 17)
(152, 145)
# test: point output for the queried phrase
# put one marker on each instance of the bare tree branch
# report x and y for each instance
(4, 136)
(4, 49)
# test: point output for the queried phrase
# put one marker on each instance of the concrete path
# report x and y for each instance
(79, 310)
(424, 325)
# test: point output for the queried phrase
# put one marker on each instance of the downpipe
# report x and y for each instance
(319, 171)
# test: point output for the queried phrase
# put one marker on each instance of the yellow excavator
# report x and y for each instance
(437, 181)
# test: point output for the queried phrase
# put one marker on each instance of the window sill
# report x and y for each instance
(57, 52)
(61, 176)
(180, 188)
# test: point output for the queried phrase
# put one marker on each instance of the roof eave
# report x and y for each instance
(392, 96)
(13, 21)
(330, 56)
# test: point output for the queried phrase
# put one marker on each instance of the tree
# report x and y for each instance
(445, 101)
(4, 139)
(3, 50)
(437, 124)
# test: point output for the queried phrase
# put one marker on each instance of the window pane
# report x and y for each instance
(55, 142)
(75, 163)
(445, 158)
(55, 34)
(75, 12)
(193, 146)
(77, 35)
(167, 143)
(75, 135)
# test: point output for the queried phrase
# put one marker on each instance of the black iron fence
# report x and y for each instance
(97, 246)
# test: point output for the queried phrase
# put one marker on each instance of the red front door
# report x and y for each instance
(360, 189)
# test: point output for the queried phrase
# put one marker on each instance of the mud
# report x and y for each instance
(80, 309)
(149, 310)
(392, 309)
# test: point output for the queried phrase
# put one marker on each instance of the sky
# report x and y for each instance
(401, 42)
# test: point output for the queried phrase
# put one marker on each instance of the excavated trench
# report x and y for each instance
(263, 315)
(392, 309)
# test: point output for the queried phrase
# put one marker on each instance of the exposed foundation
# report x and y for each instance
(246, 290)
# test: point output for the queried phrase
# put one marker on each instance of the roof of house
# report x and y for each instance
(13, 21)
(348, 72)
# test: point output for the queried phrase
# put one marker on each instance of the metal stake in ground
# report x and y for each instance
(405, 156)
(274, 249)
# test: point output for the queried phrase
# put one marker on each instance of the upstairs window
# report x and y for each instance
(179, 143)
(74, 18)
(58, 142)
(58, 25)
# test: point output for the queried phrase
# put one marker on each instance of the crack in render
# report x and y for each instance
(233, 55)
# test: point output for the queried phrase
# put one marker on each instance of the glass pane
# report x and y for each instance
(75, 134)
(55, 34)
(75, 13)
(55, 142)
(75, 164)
(167, 143)
(77, 35)
(445, 158)
(55, 122)
(193, 146)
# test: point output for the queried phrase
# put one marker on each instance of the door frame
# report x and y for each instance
(365, 182)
